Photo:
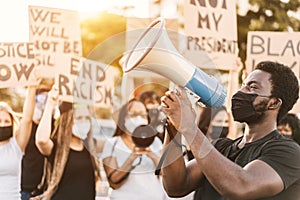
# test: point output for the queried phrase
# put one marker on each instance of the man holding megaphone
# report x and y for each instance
(261, 164)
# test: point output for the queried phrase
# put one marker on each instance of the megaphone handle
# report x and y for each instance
(163, 157)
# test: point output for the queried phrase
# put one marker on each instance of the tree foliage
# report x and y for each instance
(12, 97)
(98, 28)
(270, 15)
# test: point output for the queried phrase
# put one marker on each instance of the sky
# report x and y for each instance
(14, 14)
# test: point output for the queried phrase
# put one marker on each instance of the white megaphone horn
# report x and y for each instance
(155, 52)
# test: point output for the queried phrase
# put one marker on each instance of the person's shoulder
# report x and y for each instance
(109, 147)
(287, 142)
(223, 141)
(284, 144)
(223, 144)
(111, 140)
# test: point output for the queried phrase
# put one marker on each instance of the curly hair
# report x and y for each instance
(284, 85)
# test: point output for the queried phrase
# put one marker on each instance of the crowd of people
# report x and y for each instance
(45, 157)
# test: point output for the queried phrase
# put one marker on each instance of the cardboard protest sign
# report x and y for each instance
(88, 82)
(211, 28)
(54, 32)
(17, 63)
(283, 47)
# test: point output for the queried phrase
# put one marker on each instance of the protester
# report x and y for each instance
(71, 170)
(130, 170)
(289, 126)
(262, 164)
(214, 122)
(33, 160)
(14, 137)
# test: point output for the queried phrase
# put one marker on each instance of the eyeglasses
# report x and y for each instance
(135, 114)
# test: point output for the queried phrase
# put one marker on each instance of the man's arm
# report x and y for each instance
(179, 178)
(256, 180)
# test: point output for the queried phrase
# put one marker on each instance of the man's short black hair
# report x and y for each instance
(284, 85)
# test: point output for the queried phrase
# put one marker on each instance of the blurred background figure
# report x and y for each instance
(129, 168)
(14, 137)
(72, 169)
(289, 126)
(215, 121)
(152, 102)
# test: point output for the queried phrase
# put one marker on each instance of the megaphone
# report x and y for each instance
(154, 52)
(143, 136)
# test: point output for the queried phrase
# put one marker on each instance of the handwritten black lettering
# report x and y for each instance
(23, 69)
(212, 45)
(45, 16)
(5, 73)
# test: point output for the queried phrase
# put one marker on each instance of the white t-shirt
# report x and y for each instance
(10, 170)
(142, 183)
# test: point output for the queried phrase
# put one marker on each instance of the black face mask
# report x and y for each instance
(218, 132)
(288, 136)
(5, 133)
(243, 109)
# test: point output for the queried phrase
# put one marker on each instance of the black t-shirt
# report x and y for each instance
(78, 180)
(282, 154)
(32, 164)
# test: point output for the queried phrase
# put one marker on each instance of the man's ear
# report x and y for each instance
(275, 103)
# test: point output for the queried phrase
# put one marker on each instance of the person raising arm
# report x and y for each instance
(14, 137)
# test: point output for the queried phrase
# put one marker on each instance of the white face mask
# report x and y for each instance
(134, 122)
(81, 129)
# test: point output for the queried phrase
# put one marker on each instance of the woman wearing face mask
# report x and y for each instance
(289, 126)
(33, 160)
(214, 123)
(129, 170)
(218, 126)
(13, 140)
(71, 170)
